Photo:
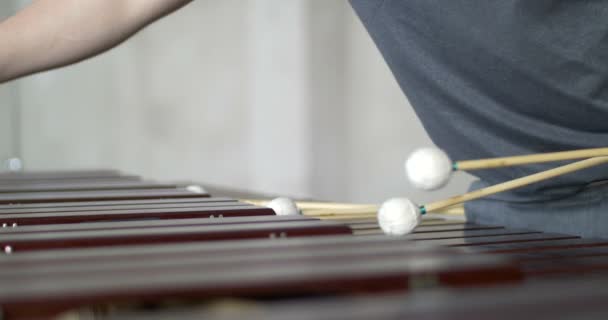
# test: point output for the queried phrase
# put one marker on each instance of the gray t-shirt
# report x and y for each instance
(501, 77)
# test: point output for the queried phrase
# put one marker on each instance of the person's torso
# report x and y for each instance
(501, 77)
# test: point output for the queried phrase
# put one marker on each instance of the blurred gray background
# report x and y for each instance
(278, 96)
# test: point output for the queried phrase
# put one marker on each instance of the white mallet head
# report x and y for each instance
(283, 206)
(195, 189)
(428, 168)
(398, 216)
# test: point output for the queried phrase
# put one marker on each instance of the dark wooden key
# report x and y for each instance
(156, 223)
(112, 204)
(429, 228)
(553, 255)
(574, 266)
(129, 205)
(468, 234)
(549, 255)
(59, 175)
(135, 194)
(564, 253)
(88, 186)
(453, 227)
(225, 248)
(499, 239)
(288, 259)
(23, 219)
(533, 247)
(560, 257)
(261, 250)
(52, 240)
(29, 182)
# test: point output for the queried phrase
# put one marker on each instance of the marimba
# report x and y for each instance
(113, 244)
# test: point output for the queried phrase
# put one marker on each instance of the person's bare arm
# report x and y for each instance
(53, 33)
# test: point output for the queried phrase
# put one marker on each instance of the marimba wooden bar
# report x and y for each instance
(153, 223)
(17, 242)
(114, 204)
(60, 175)
(93, 195)
(86, 186)
(21, 219)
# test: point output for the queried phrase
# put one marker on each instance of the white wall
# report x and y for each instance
(7, 142)
(8, 108)
(281, 96)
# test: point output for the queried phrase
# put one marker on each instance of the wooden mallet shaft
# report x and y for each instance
(332, 209)
(318, 205)
(529, 159)
(516, 183)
